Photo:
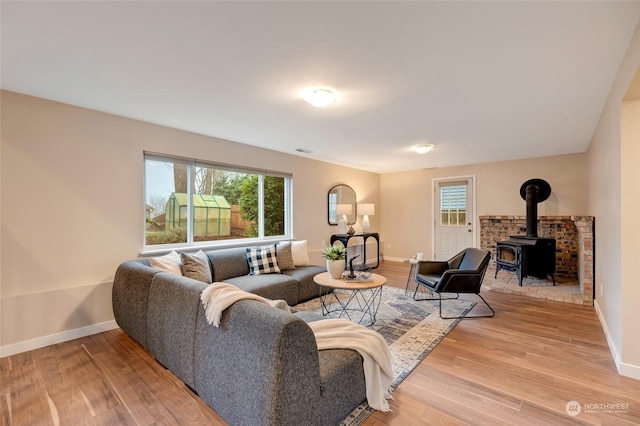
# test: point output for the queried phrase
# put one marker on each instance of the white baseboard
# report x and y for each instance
(629, 370)
(52, 339)
(395, 259)
(624, 369)
(607, 335)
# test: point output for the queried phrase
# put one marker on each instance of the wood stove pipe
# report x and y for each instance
(533, 192)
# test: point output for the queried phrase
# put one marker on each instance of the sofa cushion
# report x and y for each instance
(285, 257)
(308, 316)
(228, 263)
(169, 262)
(196, 266)
(271, 286)
(262, 260)
(307, 288)
(342, 384)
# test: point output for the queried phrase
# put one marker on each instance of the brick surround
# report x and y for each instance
(574, 244)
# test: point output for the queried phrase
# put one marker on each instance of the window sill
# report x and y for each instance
(207, 246)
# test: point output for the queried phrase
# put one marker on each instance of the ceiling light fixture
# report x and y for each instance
(422, 149)
(320, 97)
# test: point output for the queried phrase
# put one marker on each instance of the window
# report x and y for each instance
(194, 202)
(453, 205)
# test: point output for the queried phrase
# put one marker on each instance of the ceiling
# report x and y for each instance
(482, 81)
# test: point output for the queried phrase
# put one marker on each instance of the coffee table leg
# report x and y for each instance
(370, 305)
(376, 299)
(368, 301)
(327, 300)
(367, 304)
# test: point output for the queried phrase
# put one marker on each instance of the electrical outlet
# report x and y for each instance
(324, 243)
(388, 246)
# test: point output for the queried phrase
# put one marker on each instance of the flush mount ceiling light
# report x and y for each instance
(422, 149)
(320, 97)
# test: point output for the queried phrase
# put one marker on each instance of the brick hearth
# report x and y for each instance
(574, 244)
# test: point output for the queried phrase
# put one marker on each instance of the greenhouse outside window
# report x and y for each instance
(191, 202)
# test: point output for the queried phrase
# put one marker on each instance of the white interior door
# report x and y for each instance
(453, 216)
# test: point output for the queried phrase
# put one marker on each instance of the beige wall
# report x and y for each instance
(407, 200)
(630, 227)
(613, 160)
(72, 209)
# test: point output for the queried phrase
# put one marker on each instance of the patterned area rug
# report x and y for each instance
(412, 329)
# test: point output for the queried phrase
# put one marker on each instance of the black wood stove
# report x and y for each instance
(529, 255)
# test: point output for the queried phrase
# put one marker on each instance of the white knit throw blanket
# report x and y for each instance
(378, 374)
(219, 296)
(329, 333)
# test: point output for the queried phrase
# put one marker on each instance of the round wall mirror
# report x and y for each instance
(342, 201)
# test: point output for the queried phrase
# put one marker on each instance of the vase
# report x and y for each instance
(335, 268)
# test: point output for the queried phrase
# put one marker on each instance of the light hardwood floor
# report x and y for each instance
(521, 367)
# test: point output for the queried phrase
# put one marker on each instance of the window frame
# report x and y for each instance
(192, 165)
(448, 200)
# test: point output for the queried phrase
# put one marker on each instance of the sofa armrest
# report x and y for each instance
(431, 267)
(130, 295)
(460, 281)
(174, 303)
(260, 367)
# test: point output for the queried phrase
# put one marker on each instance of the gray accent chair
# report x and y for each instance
(463, 273)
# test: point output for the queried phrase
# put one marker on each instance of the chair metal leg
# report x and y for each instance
(493, 313)
(424, 298)
(431, 298)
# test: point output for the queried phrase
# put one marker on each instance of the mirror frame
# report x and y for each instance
(341, 194)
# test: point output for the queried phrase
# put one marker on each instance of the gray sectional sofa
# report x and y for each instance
(262, 365)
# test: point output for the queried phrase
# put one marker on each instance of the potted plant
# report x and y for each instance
(335, 260)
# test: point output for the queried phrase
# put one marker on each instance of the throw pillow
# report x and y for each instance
(300, 253)
(196, 266)
(262, 260)
(169, 262)
(285, 258)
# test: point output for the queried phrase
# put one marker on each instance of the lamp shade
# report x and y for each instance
(366, 209)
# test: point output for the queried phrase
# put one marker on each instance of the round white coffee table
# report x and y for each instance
(361, 302)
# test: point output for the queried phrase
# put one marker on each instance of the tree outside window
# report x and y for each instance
(224, 204)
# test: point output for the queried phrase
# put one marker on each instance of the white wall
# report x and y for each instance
(613, 194)
(407, 199)
(72, 209)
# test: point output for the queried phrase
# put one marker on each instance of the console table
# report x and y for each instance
(344, 239)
